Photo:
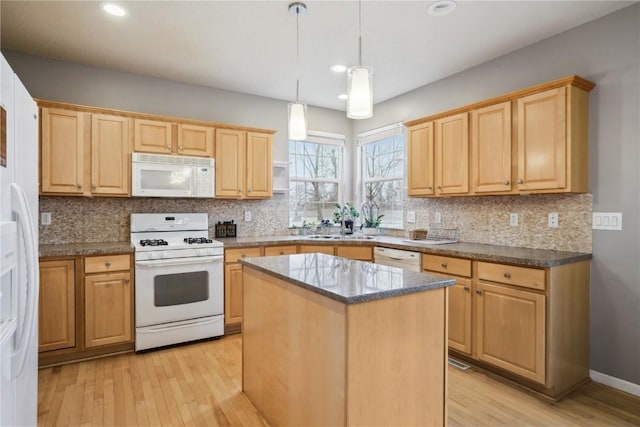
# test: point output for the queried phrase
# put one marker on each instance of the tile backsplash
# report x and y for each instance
(480, 219)
(85, 219)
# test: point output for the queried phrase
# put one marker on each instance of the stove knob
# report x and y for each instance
(153, 255)
(162, 255)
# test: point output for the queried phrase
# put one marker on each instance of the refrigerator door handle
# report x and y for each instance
(24, 336)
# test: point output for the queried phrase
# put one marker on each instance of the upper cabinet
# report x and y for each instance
(531, 141)
(243, 164)
(157, 136)
(86, 151)
(491, 149)
(84, 154)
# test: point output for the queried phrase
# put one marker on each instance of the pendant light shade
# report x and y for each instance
(360, 82)
(297, 110)
(297, 121)
(360, 93)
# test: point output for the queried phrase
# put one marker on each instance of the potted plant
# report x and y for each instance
(346, 213)
(371, 219)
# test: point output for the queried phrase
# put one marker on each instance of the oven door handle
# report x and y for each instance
(179, 261)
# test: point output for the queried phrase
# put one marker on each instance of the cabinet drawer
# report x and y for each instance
(106, 263)
(445, 264)
(363, 253)
(511, 275)
(232, 255)
(280, 250)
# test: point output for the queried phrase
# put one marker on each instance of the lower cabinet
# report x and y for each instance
(361, 253)
(529, 324)
(86, 307)
(309, 249)
(233, 286)
(57, 305)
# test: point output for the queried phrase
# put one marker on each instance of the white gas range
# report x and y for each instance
(179, 279)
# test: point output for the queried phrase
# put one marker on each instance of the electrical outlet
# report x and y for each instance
(438, 219)
(45, 218)
(247, 216)
(411, 217)
(553, 220)
(513, 219)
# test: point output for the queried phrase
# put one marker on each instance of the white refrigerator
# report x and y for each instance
(19, 271)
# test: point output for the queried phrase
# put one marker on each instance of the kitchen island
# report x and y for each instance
(333, 341)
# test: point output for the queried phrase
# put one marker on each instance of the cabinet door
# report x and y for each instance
(491, 148)
(63, 149)
(110, 150)
(510, 330)
(420, 160)
(460, 315)
(107, 308)
(362, 253)
(259, 165)
(452, 154)
(57, 309)
(232, 294)
(194, 140)
(542, 146)
(152, 136)
(230, 161)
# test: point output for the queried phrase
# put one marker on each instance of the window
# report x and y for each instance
(315, 172)
(382, 171)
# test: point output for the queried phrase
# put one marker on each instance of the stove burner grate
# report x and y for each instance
(153, 242)
(196, 240)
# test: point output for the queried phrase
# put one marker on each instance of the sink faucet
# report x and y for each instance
(344, 212)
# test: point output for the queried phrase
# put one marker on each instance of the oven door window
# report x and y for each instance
(180, 288)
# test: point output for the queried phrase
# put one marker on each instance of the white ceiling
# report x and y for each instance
(249, 46)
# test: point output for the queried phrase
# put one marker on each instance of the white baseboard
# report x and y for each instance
(614, 382)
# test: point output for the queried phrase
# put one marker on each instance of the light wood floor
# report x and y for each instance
(200, 384)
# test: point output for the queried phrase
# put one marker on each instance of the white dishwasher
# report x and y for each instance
(397, 258)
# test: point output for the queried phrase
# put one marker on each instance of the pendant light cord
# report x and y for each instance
(297, 53)
(360, 32)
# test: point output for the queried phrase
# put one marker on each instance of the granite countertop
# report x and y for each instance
(344, 280)
(81, 249)
(476, 251)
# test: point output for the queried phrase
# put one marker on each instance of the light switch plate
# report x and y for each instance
(247, 216)
(411, 217)
(607, 221)
(438, 218)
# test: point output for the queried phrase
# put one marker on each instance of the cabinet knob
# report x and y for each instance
(107, 264)
(126, 281)
(79, 186)
(520, 181)
(243, 256)
(93, 186)
(239, 190)
(439, 187)
(180, 147)
(429, 188)
(466, 288)
(507, 275)
(507, 182)
(443, 265)
(169, 147)
(479, 292)
(281, 252)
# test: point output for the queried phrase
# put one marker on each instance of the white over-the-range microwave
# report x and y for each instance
(156, 175)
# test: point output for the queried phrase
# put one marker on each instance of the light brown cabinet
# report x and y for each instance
(63, 146)
(243, 164)
(84, 154)
(108, 297)
(420, 160)
(171, 138)
(280, 250)
(323, 249)
(57, 305)
(452, 154)
(491, 149)
(534, 140)
(361, 253)
(233, 285)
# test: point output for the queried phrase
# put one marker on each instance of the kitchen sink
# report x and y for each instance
(322, 237)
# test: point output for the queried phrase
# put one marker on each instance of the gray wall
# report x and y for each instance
(607, 52)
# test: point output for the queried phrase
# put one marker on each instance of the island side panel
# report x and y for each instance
(294, 352)
(403, 340)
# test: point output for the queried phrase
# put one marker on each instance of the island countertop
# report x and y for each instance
(345, 280)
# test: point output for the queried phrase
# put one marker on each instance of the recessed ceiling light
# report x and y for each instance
(343, 96)
(442, 7)
(339, 68)
(113, 9)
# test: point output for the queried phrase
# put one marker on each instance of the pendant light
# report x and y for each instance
(360, 82)
(297, 110)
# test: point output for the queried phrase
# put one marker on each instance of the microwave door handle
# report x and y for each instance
(178, 261)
